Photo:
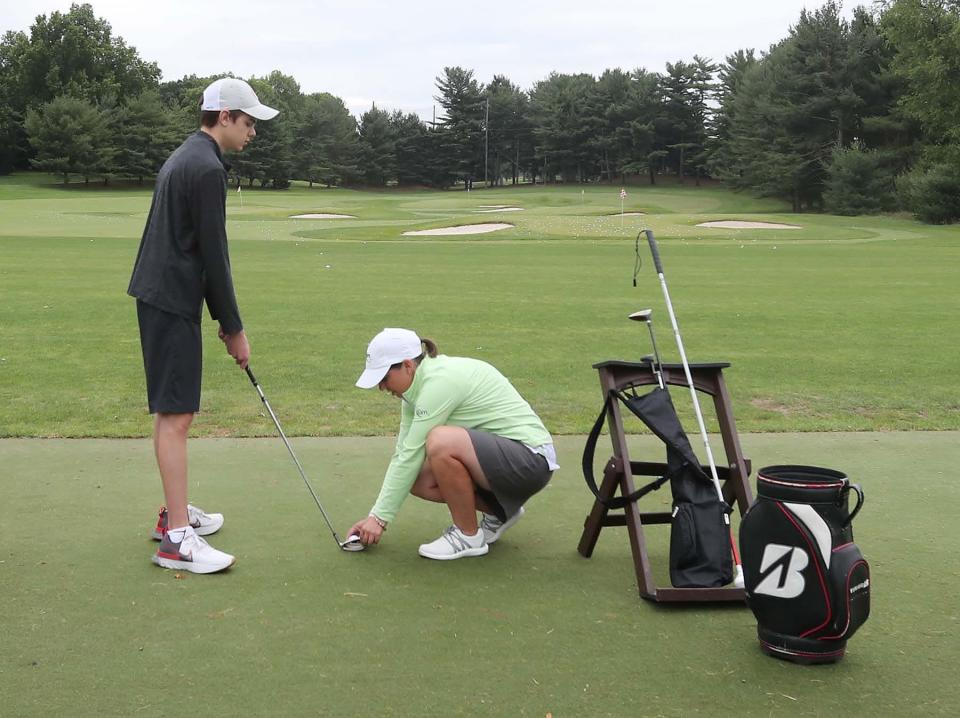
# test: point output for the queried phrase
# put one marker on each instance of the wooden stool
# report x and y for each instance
(620, 470)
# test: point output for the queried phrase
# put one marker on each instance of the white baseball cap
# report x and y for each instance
(389, 347)
(232, 94)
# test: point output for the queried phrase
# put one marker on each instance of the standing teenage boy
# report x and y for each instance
(182, 261)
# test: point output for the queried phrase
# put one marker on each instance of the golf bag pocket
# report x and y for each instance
(849, 579)
(699, 547)
(806, 581)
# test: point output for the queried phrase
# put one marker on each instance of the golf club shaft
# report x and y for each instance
(696, 401)
(656, 354)
(303, 475)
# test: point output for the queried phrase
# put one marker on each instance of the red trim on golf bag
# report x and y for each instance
(795, 485)
(817, 564)
(812, 657)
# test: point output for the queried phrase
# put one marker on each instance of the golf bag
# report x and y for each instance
(806, 581)
(699, 543)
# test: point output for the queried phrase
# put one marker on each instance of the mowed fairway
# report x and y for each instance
(843, 344)
(842, 325)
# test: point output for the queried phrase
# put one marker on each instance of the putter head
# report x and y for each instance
(352, 543)
(641, 316)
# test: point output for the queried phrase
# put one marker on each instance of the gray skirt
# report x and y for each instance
(514, 472)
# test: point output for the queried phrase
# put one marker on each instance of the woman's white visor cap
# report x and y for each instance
(389, 347)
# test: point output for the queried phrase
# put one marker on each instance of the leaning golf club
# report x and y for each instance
(738, 576)
(644, 316)
(352, 543)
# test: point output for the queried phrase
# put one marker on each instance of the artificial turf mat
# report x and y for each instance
(298, 628)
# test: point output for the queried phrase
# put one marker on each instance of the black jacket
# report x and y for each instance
(183, 257)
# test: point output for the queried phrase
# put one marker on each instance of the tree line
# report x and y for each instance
(851, 117)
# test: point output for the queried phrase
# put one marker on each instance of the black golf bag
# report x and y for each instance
(699, 540)
(806, 580)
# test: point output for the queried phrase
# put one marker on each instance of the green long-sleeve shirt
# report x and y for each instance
(453, 391)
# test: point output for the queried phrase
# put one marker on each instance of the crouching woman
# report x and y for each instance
(467, 439)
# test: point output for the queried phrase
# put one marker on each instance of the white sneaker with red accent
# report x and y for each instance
(453, 543)
(192, 554)
(202, 522)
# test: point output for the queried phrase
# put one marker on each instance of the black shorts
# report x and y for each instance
(172, 359)
(514, 472)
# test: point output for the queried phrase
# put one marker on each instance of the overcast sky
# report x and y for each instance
(391, 52)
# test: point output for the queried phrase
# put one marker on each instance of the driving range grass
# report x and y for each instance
(842, 325)
(298, 628)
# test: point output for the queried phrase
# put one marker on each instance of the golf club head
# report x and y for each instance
(641, 316)
(352, 543)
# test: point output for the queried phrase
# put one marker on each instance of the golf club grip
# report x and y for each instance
(654, 250)
(253, 379)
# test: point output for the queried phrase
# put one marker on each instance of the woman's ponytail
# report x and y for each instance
(431, 347)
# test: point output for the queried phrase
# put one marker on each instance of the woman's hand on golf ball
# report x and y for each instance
(369, 530)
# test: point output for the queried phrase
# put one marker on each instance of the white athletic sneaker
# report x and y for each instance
(202, 522)
(453, 543)
(192, 554)
(493, 527)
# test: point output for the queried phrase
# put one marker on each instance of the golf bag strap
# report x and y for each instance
(590, 449)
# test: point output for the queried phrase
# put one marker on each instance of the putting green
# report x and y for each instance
(299, 628)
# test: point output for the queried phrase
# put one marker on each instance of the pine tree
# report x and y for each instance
(378, 157)
(70, 137)
(461, 98)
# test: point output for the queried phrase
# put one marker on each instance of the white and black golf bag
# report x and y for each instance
(806, 580)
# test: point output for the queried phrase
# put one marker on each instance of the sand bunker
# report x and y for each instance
(463, 229)
(493, 206)
(500, 209)
(322, 216)
(734, 224)
(629, 214)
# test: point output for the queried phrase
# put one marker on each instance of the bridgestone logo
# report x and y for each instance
(860, 587)
(781, 571)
